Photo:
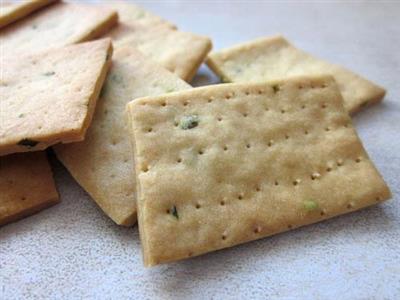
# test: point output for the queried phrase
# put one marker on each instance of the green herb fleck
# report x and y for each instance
(116, 78)
(174, 212)
(140, 15)
(225, 79)
(276, 88)
(170, 90)
(28, 143)
(34, 26)
(310, 205)
(21, 116)
(189, 122)
(103, 91)
(52, 73)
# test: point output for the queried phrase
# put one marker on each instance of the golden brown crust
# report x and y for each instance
(55, 26)
(47, 98)
(179, 52)
(26, 186)
(226, 164)
(102, 164)
(12, 11)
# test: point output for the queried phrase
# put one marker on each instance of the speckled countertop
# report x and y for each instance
(72, 251)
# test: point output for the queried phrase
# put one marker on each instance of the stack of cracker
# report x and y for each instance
(200, 169)
(273, 150)
(58, 88)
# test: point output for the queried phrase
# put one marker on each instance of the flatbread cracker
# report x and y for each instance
(49, 97)
(102, 164)
(275, 58)
(56, 26)
(180, 52)
(11, 11)
(132, 15)
(222, 165)
(26, 186)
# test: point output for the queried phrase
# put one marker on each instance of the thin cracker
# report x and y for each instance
(102, 164)
(256, 159)
(180, 52)
(58, 25)
(26, 186)
(49, 97)
(274, 58)
(11, 11)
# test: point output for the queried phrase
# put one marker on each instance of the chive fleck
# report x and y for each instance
(276, 88)
(189, 122)
(116, 78)
(310, 205)
(174, 212)
(103, 91)
(49, 73)
(225, 79)
(21, 115)
(170, 90)
(140, 15)
(28, 143)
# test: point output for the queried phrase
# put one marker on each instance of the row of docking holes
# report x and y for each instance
(258, 228)
(245, 115)
(270, 143)
(276, 88)
(313, 176)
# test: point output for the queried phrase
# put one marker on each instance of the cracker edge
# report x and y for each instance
(33, 210)
(191, 72)
(128, 112)
(100, 28)
(96, 93)
(24, 11)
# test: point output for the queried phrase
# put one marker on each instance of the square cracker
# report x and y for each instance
(56, 26)
(49, 97)
(275, 58)
(11, 11)
(26, 186)
(222, 165)
(102, 164)
(180, 52)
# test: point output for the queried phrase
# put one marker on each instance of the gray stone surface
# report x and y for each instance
(72, 251)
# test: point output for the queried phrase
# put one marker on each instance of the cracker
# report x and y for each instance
(274, 58)
(102, 164)
(49, 97)
(180, 52)
(132, 15)
(56, 26)
(222, 165)
(11, 11)
(26, 186)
